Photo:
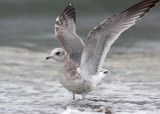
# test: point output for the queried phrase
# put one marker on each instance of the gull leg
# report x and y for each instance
(83, 96)
(73, 96)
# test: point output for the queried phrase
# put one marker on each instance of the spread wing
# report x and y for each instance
(103, 36)
(65, 31)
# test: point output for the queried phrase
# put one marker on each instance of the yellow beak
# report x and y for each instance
(49, 57)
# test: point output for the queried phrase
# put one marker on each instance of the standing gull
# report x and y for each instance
(81, 64)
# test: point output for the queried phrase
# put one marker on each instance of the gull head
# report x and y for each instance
(57, 54)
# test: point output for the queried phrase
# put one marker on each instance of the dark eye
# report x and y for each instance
(57, 53)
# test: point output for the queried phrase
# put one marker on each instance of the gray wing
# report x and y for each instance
(103, 36)
(65, 31)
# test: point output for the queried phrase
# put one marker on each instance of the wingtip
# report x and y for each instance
(70, 4)
(68, 7)
(69, 11)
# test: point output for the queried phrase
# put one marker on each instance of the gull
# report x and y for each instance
(81, 64)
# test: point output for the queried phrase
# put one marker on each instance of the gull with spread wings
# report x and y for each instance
(81, 64)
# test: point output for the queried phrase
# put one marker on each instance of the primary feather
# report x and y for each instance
(65, 31)
(103, 36)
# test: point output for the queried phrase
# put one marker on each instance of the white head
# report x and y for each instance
(57, 54)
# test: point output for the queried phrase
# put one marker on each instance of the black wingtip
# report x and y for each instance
(70, 4)
(68, 7)
(69, 11)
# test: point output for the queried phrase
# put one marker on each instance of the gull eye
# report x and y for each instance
(57, 53)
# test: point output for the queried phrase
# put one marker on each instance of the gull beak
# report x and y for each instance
(49, 57)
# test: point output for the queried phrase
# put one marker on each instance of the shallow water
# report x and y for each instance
(29, 83)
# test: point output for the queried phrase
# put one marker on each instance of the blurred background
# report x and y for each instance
(30, 23)
(28, 83)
